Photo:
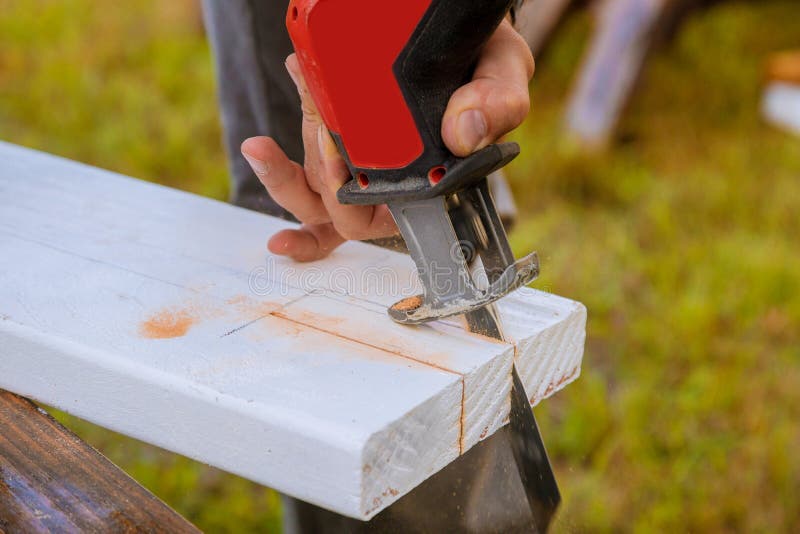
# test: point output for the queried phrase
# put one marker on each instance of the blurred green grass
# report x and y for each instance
(682, 241)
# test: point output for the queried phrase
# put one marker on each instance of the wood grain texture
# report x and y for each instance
(51, 481)
(158, 314)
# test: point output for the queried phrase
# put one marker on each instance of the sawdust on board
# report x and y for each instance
(175, 321)
(250, 308)
(411, 303)
(168, 324)
(555, 386)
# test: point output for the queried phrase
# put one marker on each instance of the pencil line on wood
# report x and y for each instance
(280, 315)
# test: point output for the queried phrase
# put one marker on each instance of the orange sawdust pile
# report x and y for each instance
(167, 324)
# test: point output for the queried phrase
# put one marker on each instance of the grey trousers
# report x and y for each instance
(481, 491)
(256, 95)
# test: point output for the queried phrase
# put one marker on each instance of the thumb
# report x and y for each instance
(482, 112)
(497, 100)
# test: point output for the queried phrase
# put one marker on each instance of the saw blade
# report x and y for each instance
(533, 465)
(441, 256)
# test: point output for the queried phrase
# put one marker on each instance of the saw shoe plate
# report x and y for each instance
(416, 310)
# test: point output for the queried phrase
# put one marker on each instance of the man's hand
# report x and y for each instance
(493, 104)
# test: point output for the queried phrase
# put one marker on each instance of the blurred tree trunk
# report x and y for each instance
(626, 32)
(538, 19)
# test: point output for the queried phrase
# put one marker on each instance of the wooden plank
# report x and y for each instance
(160, 315)
(51, 481)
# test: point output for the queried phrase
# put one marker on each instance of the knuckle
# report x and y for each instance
(316, 219)
(276, 181)
(273, 182)
(263, 175)
(309, 111)
(511, 104)
(518, 103)
(525, 53)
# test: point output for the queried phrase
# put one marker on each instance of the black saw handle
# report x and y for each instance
(382, 73)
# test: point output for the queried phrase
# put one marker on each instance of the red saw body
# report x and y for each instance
(347, 61)
(381, 74)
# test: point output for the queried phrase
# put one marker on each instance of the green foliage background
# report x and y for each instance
(682, 241)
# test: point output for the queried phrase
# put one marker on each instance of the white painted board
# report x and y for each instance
(160, 315)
